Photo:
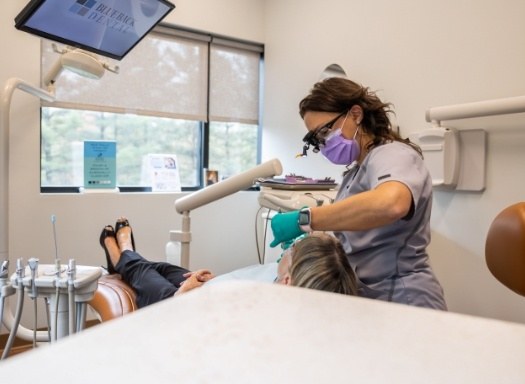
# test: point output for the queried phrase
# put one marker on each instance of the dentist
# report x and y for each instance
(382, 210)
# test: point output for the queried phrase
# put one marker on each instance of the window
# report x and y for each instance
(178, 92)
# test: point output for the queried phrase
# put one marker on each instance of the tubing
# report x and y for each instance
(57, 299)
(71, 274)
(35, 324)
(81, 316)
(23, 332)
(18, 315)
(71, 307)
(2, 300)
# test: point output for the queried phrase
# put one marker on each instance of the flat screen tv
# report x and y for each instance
(107, 27)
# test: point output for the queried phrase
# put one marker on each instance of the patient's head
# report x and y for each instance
(318, 262)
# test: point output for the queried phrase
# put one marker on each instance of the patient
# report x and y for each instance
(317, 262)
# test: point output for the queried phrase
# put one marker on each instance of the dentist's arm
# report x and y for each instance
(387, 203)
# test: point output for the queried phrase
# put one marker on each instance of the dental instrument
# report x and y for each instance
(66, 294)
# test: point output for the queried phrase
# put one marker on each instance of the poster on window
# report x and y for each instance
(161, 172)
(100, 164)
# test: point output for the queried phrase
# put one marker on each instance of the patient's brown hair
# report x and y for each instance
(319, 262)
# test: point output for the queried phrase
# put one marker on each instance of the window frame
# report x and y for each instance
(204, 126)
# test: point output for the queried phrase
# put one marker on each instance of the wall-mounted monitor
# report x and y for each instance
(107, 27)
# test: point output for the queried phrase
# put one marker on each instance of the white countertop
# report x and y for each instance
(248, 332)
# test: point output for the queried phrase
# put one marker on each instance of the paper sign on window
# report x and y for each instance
(161, 172)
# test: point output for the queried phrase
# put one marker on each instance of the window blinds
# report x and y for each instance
(173, 73)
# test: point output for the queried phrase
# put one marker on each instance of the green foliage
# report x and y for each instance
(233, 147)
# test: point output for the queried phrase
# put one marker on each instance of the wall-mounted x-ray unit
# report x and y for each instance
(456, 158)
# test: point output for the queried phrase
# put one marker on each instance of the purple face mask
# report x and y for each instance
(339, 150)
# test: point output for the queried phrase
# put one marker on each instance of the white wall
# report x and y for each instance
(416, 54)
(80, 218)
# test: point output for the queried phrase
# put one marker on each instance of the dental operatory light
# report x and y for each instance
(77, 61)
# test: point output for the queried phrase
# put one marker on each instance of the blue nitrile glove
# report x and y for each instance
(285, 227)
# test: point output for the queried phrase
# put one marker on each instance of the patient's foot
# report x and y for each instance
(124, 236)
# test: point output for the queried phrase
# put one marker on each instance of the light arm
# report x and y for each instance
(209, 194)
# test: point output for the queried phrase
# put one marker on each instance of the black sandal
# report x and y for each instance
(108, 231)
(125, 223)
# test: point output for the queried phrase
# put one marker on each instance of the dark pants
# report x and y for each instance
(152, 281)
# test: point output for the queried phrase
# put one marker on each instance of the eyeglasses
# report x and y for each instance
(317, 137)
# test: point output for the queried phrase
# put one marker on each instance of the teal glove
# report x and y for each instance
(285, 227)
(287, 244)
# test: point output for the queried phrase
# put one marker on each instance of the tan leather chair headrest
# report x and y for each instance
(113, 298)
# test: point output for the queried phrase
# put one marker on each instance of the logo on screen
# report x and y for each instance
(101, 13)
(81, 7)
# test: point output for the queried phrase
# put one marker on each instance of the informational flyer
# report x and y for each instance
(161, 172)
(100, 164)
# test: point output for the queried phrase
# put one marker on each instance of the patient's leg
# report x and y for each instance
(146, 277)
(149, 285)
(172, 273)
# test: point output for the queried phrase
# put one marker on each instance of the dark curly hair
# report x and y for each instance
(338, 95)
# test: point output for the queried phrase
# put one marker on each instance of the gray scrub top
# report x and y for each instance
(391, 262)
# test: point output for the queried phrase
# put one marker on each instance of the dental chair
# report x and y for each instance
(113, 298)
(505, 248)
